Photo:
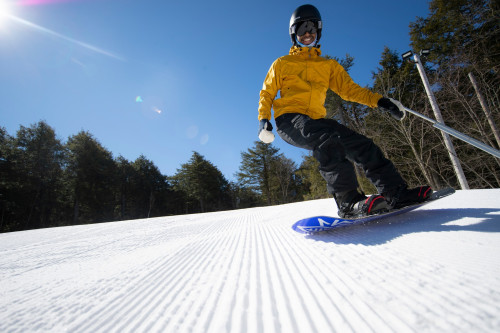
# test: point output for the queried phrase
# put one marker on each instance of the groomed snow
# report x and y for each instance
(435, 269)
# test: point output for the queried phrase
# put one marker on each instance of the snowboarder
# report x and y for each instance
(303, 77)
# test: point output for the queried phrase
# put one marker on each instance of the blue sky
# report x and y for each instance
(165, 78)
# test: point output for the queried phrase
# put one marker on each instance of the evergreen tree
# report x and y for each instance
(147, 184)
(203, 183)
(32, 163)
(123, 189)
(313, 182)
(460, 27)
(9, 184)
(90, 175)
(256, 169)
(243, 196)
(40, 165)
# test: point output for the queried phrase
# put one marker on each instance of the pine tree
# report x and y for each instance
(41, 157)
(315, 185)
(256, 169)
(460, 27)
(203, 183)
(90, 176)
(147, 185)
(9, 183)
(123, 188)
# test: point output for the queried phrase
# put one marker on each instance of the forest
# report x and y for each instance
(45, 182)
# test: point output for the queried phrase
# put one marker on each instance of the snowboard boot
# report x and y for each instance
(403, 196)
(353, 204)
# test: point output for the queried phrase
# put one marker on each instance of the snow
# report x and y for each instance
(435, 269)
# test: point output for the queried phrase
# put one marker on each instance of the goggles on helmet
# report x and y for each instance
(307, 26)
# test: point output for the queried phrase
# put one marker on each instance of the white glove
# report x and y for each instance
(265, 134)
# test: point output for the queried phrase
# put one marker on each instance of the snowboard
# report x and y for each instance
(315, 224)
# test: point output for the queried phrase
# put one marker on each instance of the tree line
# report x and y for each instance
(45, 182)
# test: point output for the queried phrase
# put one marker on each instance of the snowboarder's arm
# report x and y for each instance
(343, 85)
(270, 89)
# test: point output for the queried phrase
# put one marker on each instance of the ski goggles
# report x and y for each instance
(307, 26)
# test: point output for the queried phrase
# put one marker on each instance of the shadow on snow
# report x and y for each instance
(433, 220)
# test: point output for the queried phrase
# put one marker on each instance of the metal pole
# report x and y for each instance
(447, 140)
(458, 135)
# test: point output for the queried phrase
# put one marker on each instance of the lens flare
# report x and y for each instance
(192, 131)
(204, 139)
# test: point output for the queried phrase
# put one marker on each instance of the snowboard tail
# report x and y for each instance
(317, 224)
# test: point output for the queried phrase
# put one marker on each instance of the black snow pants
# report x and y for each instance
(336, 147)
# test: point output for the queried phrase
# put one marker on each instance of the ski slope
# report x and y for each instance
(435, 269)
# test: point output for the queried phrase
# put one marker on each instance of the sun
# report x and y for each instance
(5, 11)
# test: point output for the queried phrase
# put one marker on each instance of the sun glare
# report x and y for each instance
(5, 11)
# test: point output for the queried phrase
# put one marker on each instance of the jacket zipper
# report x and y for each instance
(309, 82)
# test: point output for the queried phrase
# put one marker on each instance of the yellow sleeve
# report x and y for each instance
(270, 88)
(343, 85)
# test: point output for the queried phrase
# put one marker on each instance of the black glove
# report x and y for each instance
(265, 134)
(395, 108)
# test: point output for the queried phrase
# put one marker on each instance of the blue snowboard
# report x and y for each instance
(317, 224)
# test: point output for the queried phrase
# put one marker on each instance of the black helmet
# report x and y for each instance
(302, 14)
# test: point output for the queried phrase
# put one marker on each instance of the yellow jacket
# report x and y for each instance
(302, 78)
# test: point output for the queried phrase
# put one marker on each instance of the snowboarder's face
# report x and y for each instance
(307, 38)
